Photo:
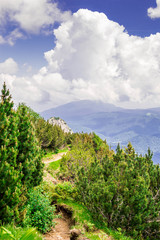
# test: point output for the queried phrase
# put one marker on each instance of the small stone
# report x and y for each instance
(74, 233)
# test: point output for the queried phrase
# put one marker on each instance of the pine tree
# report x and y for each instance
(10, 177)
(29, 153)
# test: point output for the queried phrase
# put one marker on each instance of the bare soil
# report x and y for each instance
(48, 178)
(61, 230)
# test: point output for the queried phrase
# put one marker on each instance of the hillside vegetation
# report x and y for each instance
(108, 193)
(117, 125)
(120, 189)
(24, 139)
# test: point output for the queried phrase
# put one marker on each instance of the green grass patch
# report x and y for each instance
(54, 165)
(97, 235)
(50, 153)
(80, 212)
(117, 235)
(63, 150)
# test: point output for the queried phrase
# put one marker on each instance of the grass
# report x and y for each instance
(97, 236)
(89, 227)
(17, 233)
(80, 212)
(63, 150)
(50, 153)
(54, 165)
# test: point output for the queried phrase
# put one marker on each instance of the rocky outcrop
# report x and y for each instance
(61, 123)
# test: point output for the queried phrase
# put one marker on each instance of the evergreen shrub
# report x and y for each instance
(40, 213)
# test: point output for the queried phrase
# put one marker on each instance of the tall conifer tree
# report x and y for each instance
(10, 177)
(29, 153)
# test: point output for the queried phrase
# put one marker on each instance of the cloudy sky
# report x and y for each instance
(54, 52)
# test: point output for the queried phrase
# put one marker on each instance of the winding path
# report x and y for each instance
(47, 176)
(61, 230)
(55, 158)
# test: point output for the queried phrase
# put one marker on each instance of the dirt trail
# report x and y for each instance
(60, 232)
(55, 158)
(47, 176)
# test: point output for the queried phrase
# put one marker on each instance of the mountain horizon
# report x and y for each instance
(141, 127)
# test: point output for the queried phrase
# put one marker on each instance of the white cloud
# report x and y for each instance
(101, 61)
(8, 67)
(29, 16)
(154, 12)
(23, 89)
(13, 36)
(95, 58)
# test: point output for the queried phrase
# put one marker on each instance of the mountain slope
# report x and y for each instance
(78, 109)
(117, 125)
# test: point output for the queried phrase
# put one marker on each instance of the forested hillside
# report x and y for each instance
(120, 188)
(24, 139)
(114, 194)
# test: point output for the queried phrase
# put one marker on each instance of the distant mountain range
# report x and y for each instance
(117, 125)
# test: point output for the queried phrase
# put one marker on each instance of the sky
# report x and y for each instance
(55, 52)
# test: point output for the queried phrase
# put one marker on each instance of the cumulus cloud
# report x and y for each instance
(154, 12)
(29, 16)
(101, 61)
(8, 67)
(95, 58)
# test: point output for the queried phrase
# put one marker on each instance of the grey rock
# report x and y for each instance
(61, 123)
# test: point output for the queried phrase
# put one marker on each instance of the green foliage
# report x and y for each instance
(89, 226)
(56, 118)
(39, 212)
(10, 176)
(48, 188)
(85, 148)
(49, 136)
(54, 165)
(34, 116)
(20, 166)
(121, 189)
(16, 233)
(80, 214)
(66, 190)
(29, 153)
(53, 168)
(97, 142)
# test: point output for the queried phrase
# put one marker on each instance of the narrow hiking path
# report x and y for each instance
(47, 176)
(62, 231)
(55, 157)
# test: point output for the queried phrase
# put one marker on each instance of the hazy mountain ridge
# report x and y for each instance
(117, 125)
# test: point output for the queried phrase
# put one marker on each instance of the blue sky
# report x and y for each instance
(132, 14)
(52, 52)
